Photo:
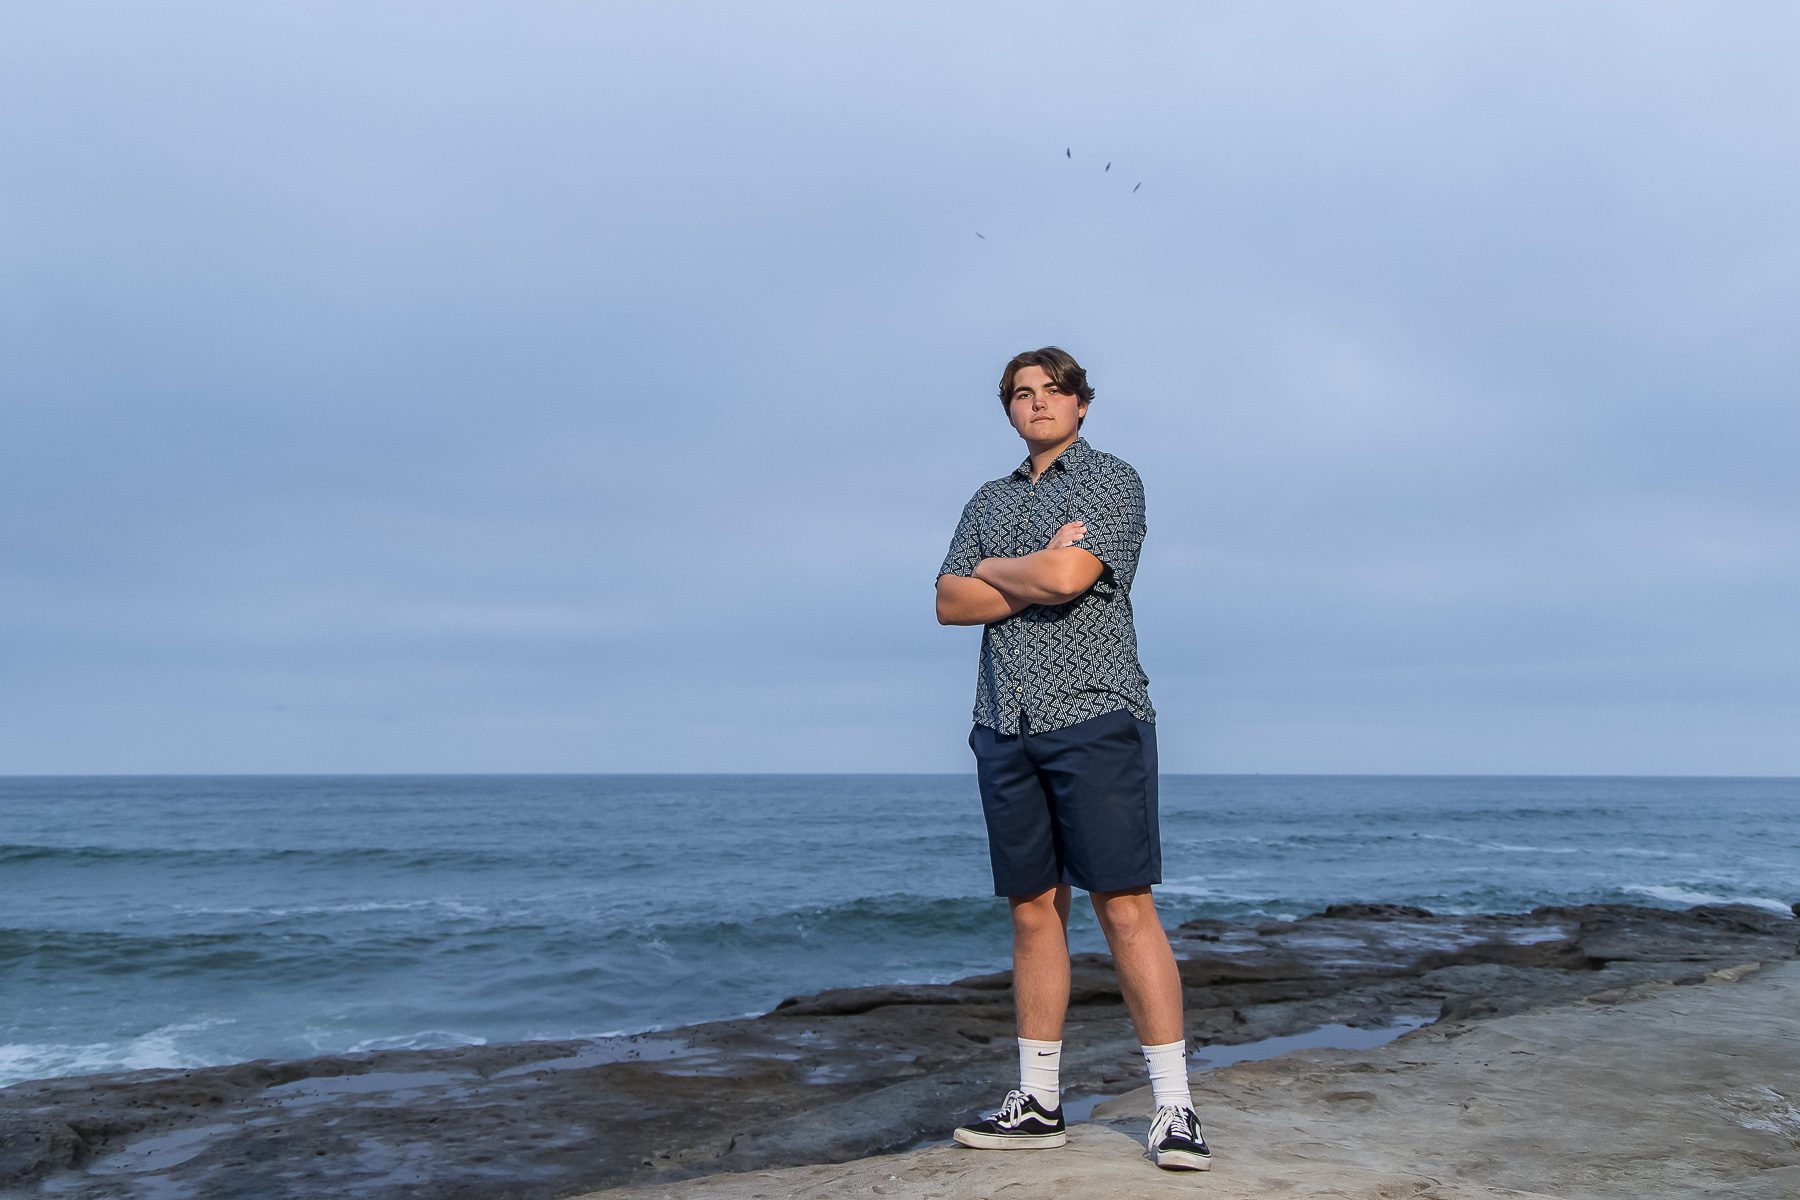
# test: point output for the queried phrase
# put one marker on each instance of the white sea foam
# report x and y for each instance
(457, 907)
(1205, 887)
(426, 1039)
(158, 1049)
(1681, 895)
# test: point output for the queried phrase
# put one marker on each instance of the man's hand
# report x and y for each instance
(1068, 535)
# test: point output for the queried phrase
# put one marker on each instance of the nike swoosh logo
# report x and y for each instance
(1045, 1053)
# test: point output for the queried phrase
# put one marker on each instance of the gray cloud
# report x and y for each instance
(468, 389)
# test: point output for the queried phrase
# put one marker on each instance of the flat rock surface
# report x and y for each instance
(1664, 1091)
(832, 1077)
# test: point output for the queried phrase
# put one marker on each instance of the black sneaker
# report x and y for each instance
(1175, 1141)
(1021, 1124)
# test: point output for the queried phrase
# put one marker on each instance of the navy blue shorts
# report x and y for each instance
(1074, 805)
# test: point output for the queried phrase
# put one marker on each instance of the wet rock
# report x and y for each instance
(836, 1075)
(1375, 912)
(1622, 932)
(32, 1147)
(843, 1002)
(1563, 955)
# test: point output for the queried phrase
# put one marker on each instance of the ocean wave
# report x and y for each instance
(165, 1047)
(1206, 887)
(1686, 897)
(556, 943)
(1519, 848)
(1346, 837)
(424, 1039)
(239, 856)
(261, 954)
(1533, 812)
(1363, 837)
(892, 919)
(441, 904)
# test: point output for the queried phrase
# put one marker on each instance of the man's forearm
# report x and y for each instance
(965, 601)
(1037, 577)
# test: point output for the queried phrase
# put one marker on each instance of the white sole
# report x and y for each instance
(993, 1141)
(1181, 1160)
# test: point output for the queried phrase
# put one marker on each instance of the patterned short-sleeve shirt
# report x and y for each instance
(1059, 663)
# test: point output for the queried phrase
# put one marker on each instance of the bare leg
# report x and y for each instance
(1144, 962)
(1041, 962)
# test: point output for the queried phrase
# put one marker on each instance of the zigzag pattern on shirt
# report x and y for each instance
(1061, 663)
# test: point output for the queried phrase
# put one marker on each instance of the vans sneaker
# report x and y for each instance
(1021, 1124)
(1175, 1141)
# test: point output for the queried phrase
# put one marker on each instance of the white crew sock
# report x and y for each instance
(1168, 1073)
(1040, 1064)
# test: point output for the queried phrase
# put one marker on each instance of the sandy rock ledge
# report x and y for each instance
(1661, 1090)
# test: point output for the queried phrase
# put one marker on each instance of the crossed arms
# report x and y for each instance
(1001, 587)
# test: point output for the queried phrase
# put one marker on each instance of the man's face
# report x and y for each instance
(1041, 411)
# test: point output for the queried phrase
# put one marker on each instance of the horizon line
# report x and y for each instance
(841, 774)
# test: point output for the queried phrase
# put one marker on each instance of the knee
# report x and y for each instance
(1037, 916)
(1126, 915)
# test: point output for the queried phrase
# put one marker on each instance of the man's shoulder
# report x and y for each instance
(1102, 463)
(994, 485)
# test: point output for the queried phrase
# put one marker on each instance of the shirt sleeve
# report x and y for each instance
(965, 544)
(1112, 505)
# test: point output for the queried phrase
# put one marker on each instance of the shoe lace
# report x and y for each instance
(1171, 1117)
(1012, 1108)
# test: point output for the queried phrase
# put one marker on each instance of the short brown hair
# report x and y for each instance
(1057, 363)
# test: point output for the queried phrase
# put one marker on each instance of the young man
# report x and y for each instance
(1065, 746)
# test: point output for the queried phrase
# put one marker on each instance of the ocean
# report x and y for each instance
(189, 921)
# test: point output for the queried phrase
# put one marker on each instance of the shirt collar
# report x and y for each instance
(1071, 456)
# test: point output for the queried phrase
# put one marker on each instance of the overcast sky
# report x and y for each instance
(583, 387)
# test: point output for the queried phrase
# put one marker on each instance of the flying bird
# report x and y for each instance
(1069, 153)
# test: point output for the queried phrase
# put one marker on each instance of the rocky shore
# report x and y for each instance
(837, 1076)
(1653, 1092)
